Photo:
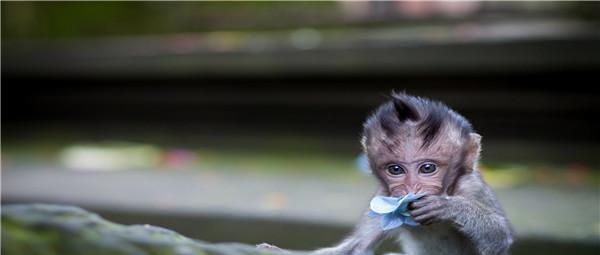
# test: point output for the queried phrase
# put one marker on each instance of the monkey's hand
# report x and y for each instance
(270, 248)
(433, 208)
(487, 228)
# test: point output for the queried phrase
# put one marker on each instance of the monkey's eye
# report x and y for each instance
(427, 168)
(395, 170)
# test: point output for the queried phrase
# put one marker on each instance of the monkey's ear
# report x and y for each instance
(473, 150)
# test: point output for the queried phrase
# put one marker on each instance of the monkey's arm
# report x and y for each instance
(365, 238)
(367, 235)
(474, 211)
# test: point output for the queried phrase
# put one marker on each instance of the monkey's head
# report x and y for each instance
(418, 145)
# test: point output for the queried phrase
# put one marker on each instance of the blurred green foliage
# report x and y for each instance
(75, 19)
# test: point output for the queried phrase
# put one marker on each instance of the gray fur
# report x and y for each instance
(464, 218)
(473, 223)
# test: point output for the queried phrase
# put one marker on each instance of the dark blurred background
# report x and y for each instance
(154, 108)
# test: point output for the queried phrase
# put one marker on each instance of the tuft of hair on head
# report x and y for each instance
(428, 115)
(404, 109)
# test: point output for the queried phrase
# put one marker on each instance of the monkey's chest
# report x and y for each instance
(438, 238)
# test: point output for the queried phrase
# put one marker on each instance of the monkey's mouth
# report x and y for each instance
(401, 191)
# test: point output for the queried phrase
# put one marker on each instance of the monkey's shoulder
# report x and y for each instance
(471, 184)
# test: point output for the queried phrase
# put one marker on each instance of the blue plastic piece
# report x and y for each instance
(393, 210)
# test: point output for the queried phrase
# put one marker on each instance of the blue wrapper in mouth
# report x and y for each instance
(393, 210)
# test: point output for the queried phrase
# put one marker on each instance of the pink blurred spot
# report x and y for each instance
(578, 173)
(178, 158)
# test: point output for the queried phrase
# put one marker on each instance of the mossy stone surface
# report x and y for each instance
(42, 229)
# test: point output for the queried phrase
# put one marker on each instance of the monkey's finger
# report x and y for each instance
(425, 200)
(424, 218)
(434, 205)
(412, 206)
(419, 211)
(270, 248)
(418, 204)
(422, 211)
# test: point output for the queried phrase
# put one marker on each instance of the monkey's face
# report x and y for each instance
(403, 166)
(420, 176)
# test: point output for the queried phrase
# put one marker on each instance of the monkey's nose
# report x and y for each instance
(404, 192)
(401, 193)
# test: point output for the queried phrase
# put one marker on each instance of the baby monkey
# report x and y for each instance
(422, 146)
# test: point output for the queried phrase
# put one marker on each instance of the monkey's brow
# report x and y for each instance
(421, 160)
